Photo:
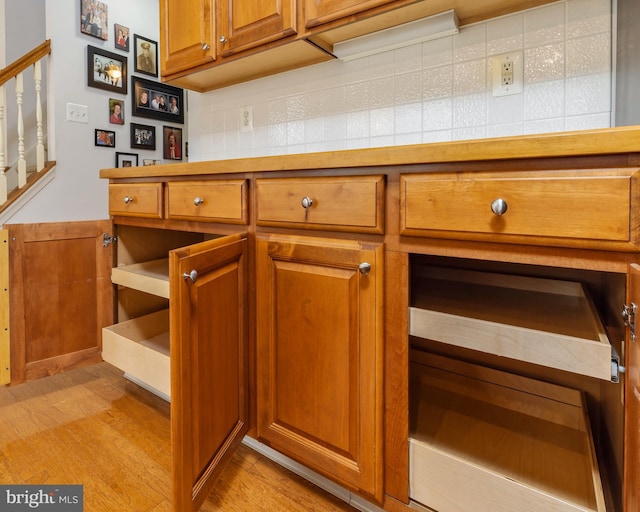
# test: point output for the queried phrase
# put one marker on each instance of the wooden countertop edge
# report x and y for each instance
(578, 143)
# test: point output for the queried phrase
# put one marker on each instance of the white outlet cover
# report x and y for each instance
(517, 59)
(246, 119)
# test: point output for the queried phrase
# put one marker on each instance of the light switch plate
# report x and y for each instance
(77, 113)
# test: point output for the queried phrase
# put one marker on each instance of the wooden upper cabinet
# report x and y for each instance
(243, 25)
(187, 34)
(318, 12)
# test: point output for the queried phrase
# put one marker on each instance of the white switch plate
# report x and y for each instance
(507, 72)
(77, 113)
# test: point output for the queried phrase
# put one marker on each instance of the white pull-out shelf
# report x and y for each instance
(150, 277)
(490, 441)
(542, 321)
(140, 348)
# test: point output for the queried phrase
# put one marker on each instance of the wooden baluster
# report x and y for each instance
(22, 163)
(37, 76)
(3, 177)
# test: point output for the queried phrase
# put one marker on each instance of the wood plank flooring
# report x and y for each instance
(91, 426)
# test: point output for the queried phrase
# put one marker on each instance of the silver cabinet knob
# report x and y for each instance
(306, 202)
(192, 276)
(364, 268)
(198, 201)
(206, 47)
(499, 206)
(128, 199)
(223, 39)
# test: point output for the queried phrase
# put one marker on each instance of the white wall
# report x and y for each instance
(435, 91)
(76, 192)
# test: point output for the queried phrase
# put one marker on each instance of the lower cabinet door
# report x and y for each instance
(209, 371)
(319, 356)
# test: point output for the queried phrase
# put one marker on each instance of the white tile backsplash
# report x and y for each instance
(435, 91)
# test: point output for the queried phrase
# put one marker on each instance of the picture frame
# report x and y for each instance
(116, 111)
(94, 19)
(105, 138)
(145, 55)
(106, 70)
(143, 136)
(172, 143)
(126, 159)
(121, 37)
(173, 97)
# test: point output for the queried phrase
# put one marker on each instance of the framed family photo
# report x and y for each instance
(146, 55)
(116, 111)
(172, 143)
(105, 138)
(143, 136)
(126, 160)
(106, 70)
(121, 36)
(94, 19)
(158, 101)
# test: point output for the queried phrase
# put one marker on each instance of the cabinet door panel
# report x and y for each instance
(187, 35)
(632, 408)
(248, 24)
(209, 407)
(318, 12)
(319, 342)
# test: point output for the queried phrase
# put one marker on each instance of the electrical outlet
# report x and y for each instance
(246, 119)
(77, 113)
(507, 73)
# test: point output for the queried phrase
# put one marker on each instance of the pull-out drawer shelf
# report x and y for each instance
(490, 441)
(541, 321)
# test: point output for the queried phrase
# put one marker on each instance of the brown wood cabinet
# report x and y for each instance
(525, 295)
(319, 348)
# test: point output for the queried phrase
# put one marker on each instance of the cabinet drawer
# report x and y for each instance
(515, 442)
(136, 199)
(551, 206)
(354, 203)
(208, 201)
(140, 348)
(546, 322)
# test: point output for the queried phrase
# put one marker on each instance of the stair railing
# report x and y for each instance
(15, 71)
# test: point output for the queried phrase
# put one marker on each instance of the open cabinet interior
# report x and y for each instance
(511, 386)
(138, 343)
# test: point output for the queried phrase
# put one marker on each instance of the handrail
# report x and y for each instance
(28, 59)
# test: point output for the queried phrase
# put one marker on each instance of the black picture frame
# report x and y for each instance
(172, 95)
(121, 37)
(105, 138)
(106, 70)
(116, 111)
(145, 55)
(94, 19)
(143, 136)
(167, 132)
(126, 159)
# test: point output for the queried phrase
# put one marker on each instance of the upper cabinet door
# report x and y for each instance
(632, 408)
(209, 363)
(187, 34)
(318, 12)
(243, 25)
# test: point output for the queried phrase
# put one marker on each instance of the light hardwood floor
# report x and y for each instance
(91, 426)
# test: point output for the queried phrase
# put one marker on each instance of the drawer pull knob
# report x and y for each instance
(198, 201)
(499, 206)
(223, 39)
(307, 202)
(364, 268)
(128, 199)
(206, 47)
(193, 276)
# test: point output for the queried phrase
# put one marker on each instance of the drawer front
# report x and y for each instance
(353, 203)
(136, 199)
(588, 207)
(208, 201)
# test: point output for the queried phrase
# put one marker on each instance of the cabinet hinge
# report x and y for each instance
(107, 239)
(616, 367)
(629, 317)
